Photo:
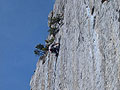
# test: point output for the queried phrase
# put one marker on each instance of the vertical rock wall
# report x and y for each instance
(89, 56)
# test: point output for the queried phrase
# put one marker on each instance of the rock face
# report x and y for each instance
(89, 56)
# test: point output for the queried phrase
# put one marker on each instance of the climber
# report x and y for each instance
(54, 48)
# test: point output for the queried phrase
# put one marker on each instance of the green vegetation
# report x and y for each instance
(49, 42)
(55, 20)
(52, 31)
(41, 50)
(39, 46)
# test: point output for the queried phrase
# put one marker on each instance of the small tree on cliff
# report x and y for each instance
(55, 20)
(53, 31)
(40, 50)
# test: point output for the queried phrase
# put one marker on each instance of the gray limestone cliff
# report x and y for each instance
(89, 56)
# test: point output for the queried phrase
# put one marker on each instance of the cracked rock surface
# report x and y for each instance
(89, 56)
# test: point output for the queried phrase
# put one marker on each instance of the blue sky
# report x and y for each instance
(23, 24)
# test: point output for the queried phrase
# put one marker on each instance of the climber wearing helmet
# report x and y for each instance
(54, 48)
